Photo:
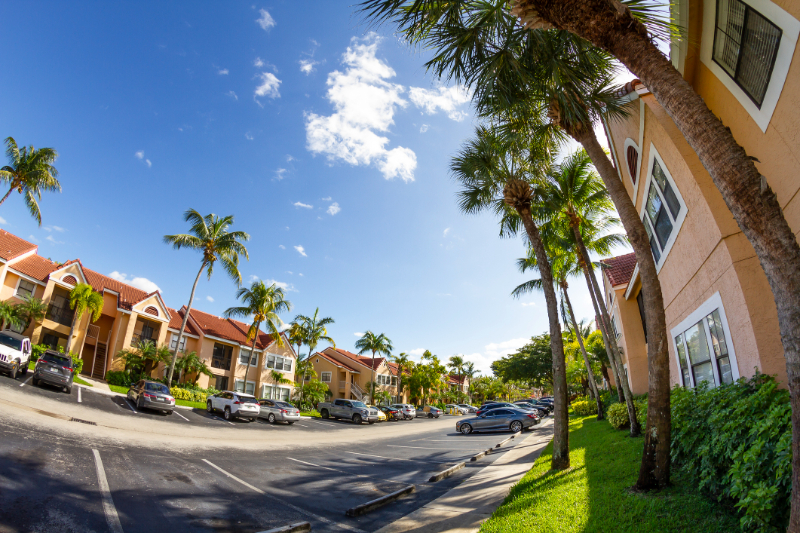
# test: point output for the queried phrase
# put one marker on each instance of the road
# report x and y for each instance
(100, 465)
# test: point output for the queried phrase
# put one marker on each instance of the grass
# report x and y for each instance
(313, 413)
(119, 389)
(594, 494)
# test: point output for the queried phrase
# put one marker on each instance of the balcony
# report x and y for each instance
(137, 338)
(60, 315)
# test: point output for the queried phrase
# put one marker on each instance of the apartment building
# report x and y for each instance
(348, 375)
(740, 57)
(131, 315)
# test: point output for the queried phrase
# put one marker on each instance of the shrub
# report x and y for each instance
(584, 407)
(189, 395)
(121, 379)
(37, 350)
(734, 441)
(77, 363)
(617, 415)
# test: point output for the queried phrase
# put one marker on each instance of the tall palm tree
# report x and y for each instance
(314, 331)
(404, 363)
(31, 309)
(370, 342)
(83, 299)
(211, 236)
(505, 176)
(29, 172)
(469, 372)
(264, 304)
(456, 363)
(296, 336)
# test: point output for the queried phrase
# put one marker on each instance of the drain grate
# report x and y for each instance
(83, 421)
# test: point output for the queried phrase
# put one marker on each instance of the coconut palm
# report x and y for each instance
(369, 342)
(263, 304)
(190, 363)
(404, 364)
(470, 372)
(29, 172)
(9, 315)
(210, 235)
(31, 309)
(314, 330)
(296, 336)
(83, 299)
(279, 379)
(503, 176)
(456, 364)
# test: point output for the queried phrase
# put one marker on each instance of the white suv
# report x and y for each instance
(15, 353)
(234, 405)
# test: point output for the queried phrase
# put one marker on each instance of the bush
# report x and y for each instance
(734, 441)
(189, 395)
(77, 363)
(37, 350)
(121, 379)
(584, 406)
(617, 415)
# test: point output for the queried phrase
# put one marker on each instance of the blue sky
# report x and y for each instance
(328, 143)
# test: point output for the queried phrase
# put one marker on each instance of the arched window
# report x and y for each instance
(70, 279)
(632, 156)
(151, 311)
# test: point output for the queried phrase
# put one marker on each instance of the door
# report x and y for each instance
(502, 418)
(485, 421)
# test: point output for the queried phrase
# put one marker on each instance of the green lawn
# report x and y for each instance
(594, 496)
(313, 413)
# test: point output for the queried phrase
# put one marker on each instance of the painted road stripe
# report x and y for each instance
(223, 420)
(382, 457)
(180, 415)
(417, 447)
(112, 518)
(79, 395)
(318, 466)
(287, 504)
(26, 381)
(129, 404)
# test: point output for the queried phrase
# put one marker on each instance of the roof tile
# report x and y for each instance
(620, 269)
(12, 246)
(336, 362)
(34, 266)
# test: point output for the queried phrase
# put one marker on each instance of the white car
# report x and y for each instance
(234, 405)
(15, 353)
(458, 408)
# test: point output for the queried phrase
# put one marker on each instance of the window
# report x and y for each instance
(275, 393)
(702, 345)
(383, 380)
(640, 301)
(243, 353)
(664, 210)
(18, 328)
(147, 333)
(614, 325)
(221, 356)
(25, 288)
(249, 389)
(746, 46)
(221, 383)
(279, 363)
(50, 340)
(326, 377)
(394, 380)
(173, 343)
(632, 157)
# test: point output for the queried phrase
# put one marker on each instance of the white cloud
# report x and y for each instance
(140, 283)
(446, 231)
(52, 240)
(258, 63)
(30, 237)
(282, 247)
(284, 326)
(232, 95)
(364, 103)
(140, 154)
(223, 72)
(149, 164)
(448, 99)
(526, 304)
(265, 21)
(301, 250)
(248, 136)
(252, 278)
(358, 334)
(417, 351)
(52, 228)
(290, 158)
(269, 86)
(496, 350)
(333, 208)
(288, 287)
(307, 66)
(279, 174)
(3, 221)
(289, 272)
(301, 204)
(423, 128)
(328, 199)
(300, 274)
(209, 298)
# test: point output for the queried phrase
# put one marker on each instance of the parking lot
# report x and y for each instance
(57, 480)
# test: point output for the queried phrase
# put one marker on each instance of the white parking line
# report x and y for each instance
(381, 457)
(180, 415)
(112, 518)
(287, 504)
(129, 404)
(417, 447)
(318, 466)
(223, 420)
(26, 381)
(79, 395)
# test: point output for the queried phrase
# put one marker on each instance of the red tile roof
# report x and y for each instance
(228, 329)
(619, 269)
(394, 367)
(12, 246)
(176, 319)
(34, 266)
(455, 379)
(335, 362)
(128, 295)
(364, 360)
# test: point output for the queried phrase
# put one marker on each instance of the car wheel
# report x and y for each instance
(516, 426)
(357, 419)
(430, 415)
(168, 412)
(324, 414)
(466, 429)
(13, 372)
(209, 407)
(68, 390)
(227, 414)
(23, 370)
(271, 418)
(290, 423)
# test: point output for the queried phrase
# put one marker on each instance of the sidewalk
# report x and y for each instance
(97, 385)
(464, 508)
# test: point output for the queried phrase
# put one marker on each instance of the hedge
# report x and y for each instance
(617, 413)
(584, 406)
(191, 395)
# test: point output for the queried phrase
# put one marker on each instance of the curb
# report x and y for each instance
(446, 473)
(517, 434)
(364, 508)
(291, 528)
(478, 456)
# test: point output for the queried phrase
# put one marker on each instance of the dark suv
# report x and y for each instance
(55, 368)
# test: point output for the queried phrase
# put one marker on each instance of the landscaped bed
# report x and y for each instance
(594, 494)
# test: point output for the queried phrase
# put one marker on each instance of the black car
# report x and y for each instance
(530, 405)
(55, 368)
(151, 395)
(392, 413)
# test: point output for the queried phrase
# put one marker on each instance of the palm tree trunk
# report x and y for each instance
(183, 324)
(655, 468)
(372, 380)
(7, 194)
(590, 375)
(250, 358)
(560, 459)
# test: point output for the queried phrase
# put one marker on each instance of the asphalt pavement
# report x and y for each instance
(57, 481)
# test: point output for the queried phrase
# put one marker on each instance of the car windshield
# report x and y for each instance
(245, 399)
(283, 405)
(57, 359)
(8, 340)
(156, 387)
(359, 404)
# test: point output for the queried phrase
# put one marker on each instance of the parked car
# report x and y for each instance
(54, 368)
(408, 410)
(391, 412)
(468, 407)
(15, 353)
(353, 410)
(494, 405)
(381, 414)
(234, 405)
(278, 411)
(151, 395)
(428, 411)
(503, 419)
(543, 411)
(457, 407)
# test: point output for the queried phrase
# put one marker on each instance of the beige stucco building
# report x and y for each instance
(348, 375)
(721, 317)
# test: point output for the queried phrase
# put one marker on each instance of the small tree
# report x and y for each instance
(190, 363)
(82, 299)
(9, 315)
(31, 310)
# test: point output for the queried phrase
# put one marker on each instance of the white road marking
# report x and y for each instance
(223, 420)
(285, 503)
(417, 447)
(180, 415)
(129, 404)
(318, 466)
(381, 457)
(26, 381)
(112, 518)
(302, 426)
(79, 395)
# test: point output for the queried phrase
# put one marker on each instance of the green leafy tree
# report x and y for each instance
(30, 172)
(9, 315)
(279, 379)
(191, 363)
(404, 364)
(370, 342)
(31, 310)
(314, 330)
(531, 364)
(310, 394)
(209, 235)
(83, 299)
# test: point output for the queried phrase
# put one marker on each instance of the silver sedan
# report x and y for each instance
(498, 420)
(429, 411)
(278, 411)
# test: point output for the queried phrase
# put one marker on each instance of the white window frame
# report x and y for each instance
(236, 383)
(174, 341)
(676, 223)
(275, 358)
(253, 355)
(634, 182)
(265, 387)
(713, 303)
(322, 377)
(791, 30)
(19, 282)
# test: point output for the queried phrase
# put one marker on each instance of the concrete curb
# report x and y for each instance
(479, 455)
(379, 502)
(517, 434)
(446, 473)
(291, 528)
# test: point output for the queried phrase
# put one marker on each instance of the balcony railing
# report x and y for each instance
(60, 315)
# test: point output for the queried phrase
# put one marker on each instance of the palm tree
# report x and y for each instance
(82, 299)
(404, 363)
(508, 176)
(314, 331)
(31, 309)
(29, 172)
(456, 363)
(209, 234)
(279, 379)
(469, 373)
(191, 363)
(9, 315)
(296, 336)
(370, 342)
(264, 304)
